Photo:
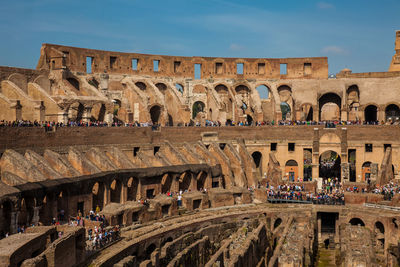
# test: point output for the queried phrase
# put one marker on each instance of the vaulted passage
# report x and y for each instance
(329, 107)
(329, 165)
(370, 113)
(155, 113)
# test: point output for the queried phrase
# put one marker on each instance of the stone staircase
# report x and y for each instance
(326, 257)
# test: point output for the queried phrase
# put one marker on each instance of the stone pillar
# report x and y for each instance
(315, 154)
(124, 193)
(193, 182)
(14, 222)
(319, 223)
(36, 218)
(87, 113)
(175, 183)
(208, 182)
(345, 171)
(337, 230)
(315, 113)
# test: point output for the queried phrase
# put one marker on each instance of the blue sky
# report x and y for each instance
(356, 34)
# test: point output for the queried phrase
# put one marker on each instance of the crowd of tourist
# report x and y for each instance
(50, 125)
(100, 237)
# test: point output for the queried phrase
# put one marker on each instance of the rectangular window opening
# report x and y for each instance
(177, 66)
(136, 151)
(218, 68)
(291, 146)
(239, 68)
(156, 65)
(197, 71)
(150, 193)
(273, 146)
(283, 69)
(307, 69)
(135, 62)
(261, 68)
(368, 147)
(113, 60)
(386, 146)
(89, 64)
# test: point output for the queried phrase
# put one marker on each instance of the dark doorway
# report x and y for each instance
(370, 114)
(352, 164)
(329, 165)
(328, 221)
(155, 113)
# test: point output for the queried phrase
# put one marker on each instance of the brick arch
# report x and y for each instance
(362, 107)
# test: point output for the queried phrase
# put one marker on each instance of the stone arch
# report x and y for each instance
(197, 107)
(329, 107)
(44, 83)
(179, 87)
(242, 89)
(97, 195)
(330, 165)
(155, 113)
(161, 86)
(371, 113)
(257, 158)
(20, 81)
(356, 221)
(221, 89)
(201, 180)
(115, 188)
(392, 112)
(307, 112)
(286, 101)
(353, 102)
(184, 181)
(141, 85)
(133, 185)
(74, 82)
(166, 183)
(286, 111)
(292, 170)
(264, 91)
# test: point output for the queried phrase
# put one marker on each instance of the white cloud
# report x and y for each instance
(333, 49)
(325, 5)
(235, 47)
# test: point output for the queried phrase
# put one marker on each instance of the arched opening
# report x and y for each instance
(307, 164)
(277, 222)
(133, 184)
(198, 106)
(117, 106)
(115, 191)
(97, 196)
(155, 113)
(166, 183)
(249, 120)
(142, 86)
(242, 89)
(162, 87)
(329, 107)
(356, 221)
(150, 250)
(263, 91)
(392, 112)
(329, 165)
(5, 222)
(74, 82)
(307, 112)
(291, 170)
(26, 211)
(170, 120)
(370, 114)
(286, 111)
(221, 89)
(184, 182)
(366, 172)
(201, 180)
(179, 87)
(257, 158)
(380, 235)
(353, 102)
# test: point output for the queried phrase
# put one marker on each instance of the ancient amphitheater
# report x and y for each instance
(180, 161)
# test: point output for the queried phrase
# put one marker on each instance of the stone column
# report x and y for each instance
(124, 193)
(36, 218)
(174, 183)
(319, 228)
(208, 182)
(107, 195)
(315, 154)
(193, 182)
(14, 222)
